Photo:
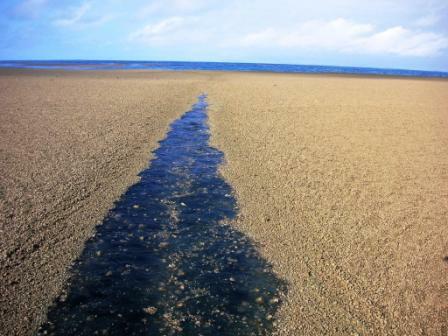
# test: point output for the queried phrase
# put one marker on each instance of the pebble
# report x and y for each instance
(164, 245)
(150, 310)
(274, 300)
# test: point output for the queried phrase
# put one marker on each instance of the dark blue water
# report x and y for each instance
(164, 261)
(216, 66)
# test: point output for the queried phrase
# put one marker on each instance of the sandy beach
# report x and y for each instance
(71, 143)
(341, 181)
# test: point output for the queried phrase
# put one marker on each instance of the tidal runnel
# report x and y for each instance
(165, 260)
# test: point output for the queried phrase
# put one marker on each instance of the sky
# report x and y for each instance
(408, 34)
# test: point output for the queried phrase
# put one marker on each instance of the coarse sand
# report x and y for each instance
(342, 182)
(70, 145)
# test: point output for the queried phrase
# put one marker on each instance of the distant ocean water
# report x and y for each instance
(215, 66)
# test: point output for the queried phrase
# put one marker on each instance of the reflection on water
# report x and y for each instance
(164, 262)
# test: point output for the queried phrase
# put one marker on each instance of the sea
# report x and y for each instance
(215, 66)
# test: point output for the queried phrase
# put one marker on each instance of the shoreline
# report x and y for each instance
(114, 72)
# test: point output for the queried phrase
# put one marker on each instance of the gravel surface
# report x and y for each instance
(342, 181)
(344, 184)
(70, 145)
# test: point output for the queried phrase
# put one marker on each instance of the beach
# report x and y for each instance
(341, 181)
(71, 144)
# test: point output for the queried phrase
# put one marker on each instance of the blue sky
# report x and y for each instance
(409, 34)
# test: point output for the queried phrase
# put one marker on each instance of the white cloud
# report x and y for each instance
(338, 35)
(74, 17)
(310, 34)
(345, 36)
(156, 31)
(404, 42)
(78, 17)
(170, 31)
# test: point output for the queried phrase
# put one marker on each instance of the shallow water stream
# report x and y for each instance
(164, 261)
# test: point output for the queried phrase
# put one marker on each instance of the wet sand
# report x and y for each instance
(342, 181)
(71, 143)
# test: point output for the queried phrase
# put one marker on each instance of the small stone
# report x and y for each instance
(163, 245)
(259, 300)
(150, 310)
(109, 273)
(274, 300)
(136, 206)
(63, 297)
(98, 253)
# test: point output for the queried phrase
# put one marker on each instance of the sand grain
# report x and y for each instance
(344, 183)
(70, 144)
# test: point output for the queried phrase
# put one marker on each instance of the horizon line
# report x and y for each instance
(222, 62)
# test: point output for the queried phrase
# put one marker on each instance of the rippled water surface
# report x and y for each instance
(215, 66)
(164, 261)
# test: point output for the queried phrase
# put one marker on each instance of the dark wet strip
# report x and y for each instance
(164, 261)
